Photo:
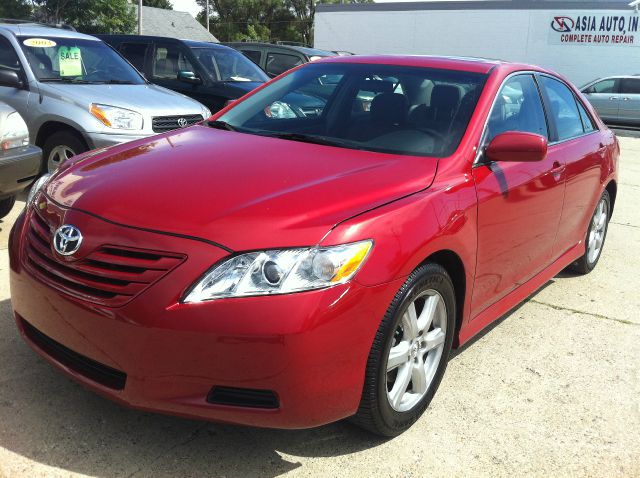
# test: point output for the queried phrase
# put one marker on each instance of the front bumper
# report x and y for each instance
(18, 169)
(104, 140)
(310, 349)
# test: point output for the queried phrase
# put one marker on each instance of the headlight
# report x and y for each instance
(206, 113)
(117, 118)
(37, 186)
(279, 110)
(14, 132)
(280, 271)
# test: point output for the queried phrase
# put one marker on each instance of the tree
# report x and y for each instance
(15, 9)
(89, 16)
(166, 4)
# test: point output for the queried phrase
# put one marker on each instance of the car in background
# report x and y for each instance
(275, 58)
(616, 99)
(210, 73)
(294, 271)
(76, 93)
(19, 161)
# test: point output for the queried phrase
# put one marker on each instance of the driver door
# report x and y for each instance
(519, 203)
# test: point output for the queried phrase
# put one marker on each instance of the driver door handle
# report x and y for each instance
(613, 98)
(557, 167)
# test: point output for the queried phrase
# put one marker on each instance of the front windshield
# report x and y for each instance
(76, 60)
(384, 108)
(229, 65)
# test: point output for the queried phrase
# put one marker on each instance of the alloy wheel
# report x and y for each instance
(59, 155)
(597, 231)
(416, 350)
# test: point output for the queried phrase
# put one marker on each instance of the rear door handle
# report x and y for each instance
(625, 99)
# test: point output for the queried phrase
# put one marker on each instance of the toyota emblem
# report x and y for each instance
(67, 239)
(182, 122)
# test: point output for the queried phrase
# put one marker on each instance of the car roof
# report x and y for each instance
(189, 43)
(470, 64)
(301, 49)
(36, 30)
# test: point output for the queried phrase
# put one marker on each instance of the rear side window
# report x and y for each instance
(168, 61)
(518, 107)
(253, 55)
(279, 63)
(630, 86)
(135, 53)
(587, 122)
(563, 108)
(8, 57)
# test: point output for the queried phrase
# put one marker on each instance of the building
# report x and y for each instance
(173, 24)
(580, 39)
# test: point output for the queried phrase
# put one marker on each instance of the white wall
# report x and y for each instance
(514, 35)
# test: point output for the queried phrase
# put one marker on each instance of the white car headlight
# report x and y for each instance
(37, 186)
(279, 110)
(14, 132)
(117, 118)
(280, 271)
(206, 113)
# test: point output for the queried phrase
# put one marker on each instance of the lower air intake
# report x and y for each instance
(243, 397)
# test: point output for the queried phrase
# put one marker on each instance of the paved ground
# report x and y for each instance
(552, 390)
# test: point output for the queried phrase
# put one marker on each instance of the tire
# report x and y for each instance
(596, 235)
(428, 284)
(59, 147)
(6, 205)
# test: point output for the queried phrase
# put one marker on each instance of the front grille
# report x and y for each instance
(243, 397)
(161, 124)
(89, 368)
(110, 275)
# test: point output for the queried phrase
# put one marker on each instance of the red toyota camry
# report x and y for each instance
(314, 251)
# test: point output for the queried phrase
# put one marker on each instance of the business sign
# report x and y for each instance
(588, 29)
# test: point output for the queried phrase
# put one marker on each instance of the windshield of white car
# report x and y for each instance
(229, 65)
(383, 108)
(77, 60)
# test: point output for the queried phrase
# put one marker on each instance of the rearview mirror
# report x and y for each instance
(516, 146)
(10, 78)
(189, 77)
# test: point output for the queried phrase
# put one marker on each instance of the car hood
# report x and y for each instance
(146, 98)
(239, 190)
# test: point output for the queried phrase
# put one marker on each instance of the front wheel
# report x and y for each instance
(61, 146)
(409, 354)
(595, 236)
(6, 205)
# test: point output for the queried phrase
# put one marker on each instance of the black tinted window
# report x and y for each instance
(587, 122)
(563, 108)
(385, 108)
(135, 53)
(279, 63)
(630, 86)
(8, 58)
(253, 55)
(518, 107)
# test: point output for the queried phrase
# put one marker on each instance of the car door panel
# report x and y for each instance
(605, 98)
(629, 102)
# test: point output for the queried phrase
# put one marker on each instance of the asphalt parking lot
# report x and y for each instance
(553, 389)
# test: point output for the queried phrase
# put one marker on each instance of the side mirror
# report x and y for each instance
(515, 146)
(10, 78)
(189, 77)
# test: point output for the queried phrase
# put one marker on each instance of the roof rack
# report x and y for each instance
(19, 21)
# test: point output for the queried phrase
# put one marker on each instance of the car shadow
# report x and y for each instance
(49, 419)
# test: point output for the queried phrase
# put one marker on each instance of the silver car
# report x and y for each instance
(76, 93)
(616, 99)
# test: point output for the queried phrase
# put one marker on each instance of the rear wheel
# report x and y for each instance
(61, 146)
(409, 354)
(595, 236)
(6, 205)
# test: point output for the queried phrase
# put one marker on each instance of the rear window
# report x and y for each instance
(391, 109)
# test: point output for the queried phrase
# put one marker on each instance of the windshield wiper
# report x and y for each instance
(116, 82)
(66, 80)
(308, 138)
(218, 124)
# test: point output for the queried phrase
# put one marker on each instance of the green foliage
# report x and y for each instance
(16, 9)
(166, 4)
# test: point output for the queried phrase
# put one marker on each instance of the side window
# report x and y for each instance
(563, 108)
(253, 55)
(8, 57)
(630, 86)
(135, 53)
(518, 107)
(168, 60)
(279, 63)
(587, 122)
(604, 86)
